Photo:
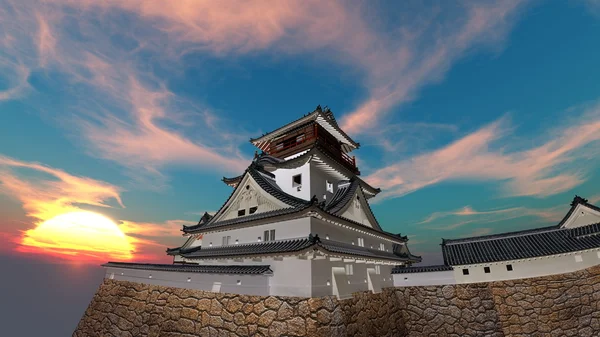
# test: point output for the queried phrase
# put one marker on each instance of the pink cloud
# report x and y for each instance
(539, 171)
(397, 72)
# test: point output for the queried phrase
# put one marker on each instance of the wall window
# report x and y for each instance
(509, 267)
(329, 186)
(297, 180)
(381, 246)
(486, 270)
(465, 271)
(269, 235)
(378, 270)
(241, 212)
(349, 269)
(361, 242)
(252, 210)
(226, 240)
(578, 258)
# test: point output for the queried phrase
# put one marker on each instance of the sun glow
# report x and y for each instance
(80, 235)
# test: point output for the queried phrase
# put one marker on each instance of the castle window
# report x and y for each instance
(465, 271)
(241, 212)
(297, 180)
(361, 242)
(269, 235)
(329, 186)
(378, 270)
(226, 240)
(486, 270)
(252, 210)
(349, 269)
(381, 246)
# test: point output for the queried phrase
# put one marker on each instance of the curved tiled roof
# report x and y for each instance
(424, 269)
(326, 114)
(188, 268)
(281, 247)
(521, 245)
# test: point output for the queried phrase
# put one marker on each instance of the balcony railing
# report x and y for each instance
(303, 138)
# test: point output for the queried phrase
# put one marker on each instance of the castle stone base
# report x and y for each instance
(559, 305)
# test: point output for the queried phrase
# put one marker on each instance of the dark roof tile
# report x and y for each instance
(188, 268)
(423, 269)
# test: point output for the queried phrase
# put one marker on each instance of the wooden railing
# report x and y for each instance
(305, 137)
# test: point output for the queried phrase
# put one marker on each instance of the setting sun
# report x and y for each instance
(80, 234)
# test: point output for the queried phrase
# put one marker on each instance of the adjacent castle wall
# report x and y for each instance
(558, 305)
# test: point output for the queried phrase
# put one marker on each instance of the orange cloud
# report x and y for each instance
(540, 171)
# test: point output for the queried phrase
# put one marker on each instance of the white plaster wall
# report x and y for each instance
(347, 284)
(424, 279)
(582, 216)
(289, 229)
(250, 284)
(357, 214)
(543, 266)
(283, 178)
(291, 277)
(318, 181)
(337, 233)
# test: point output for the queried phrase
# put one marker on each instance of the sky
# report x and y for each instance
(474, 117)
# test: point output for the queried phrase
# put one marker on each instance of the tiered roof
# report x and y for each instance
(322, 116)
(270, 163)
(295, 247)
(296, 207)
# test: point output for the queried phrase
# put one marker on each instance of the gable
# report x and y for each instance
(581, 215)
(358, 209)
(250, 198)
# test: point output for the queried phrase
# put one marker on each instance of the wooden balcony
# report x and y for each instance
(304, 138)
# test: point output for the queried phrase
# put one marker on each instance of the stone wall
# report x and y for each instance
(560, 305)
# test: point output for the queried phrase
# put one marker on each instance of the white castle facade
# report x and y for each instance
(298, 223)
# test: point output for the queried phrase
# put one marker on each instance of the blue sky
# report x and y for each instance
(474, 117)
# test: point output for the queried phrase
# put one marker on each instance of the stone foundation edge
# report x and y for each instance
(557, 305)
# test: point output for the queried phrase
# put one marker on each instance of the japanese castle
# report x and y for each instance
(298, 223)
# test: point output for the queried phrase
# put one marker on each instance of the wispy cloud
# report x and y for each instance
(451, 220)
(47, 192)
(54, 193)
(397, 70)
(547, 169)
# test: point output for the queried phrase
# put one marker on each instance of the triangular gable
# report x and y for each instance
(581, 214)
(250, 197)
(358, 209)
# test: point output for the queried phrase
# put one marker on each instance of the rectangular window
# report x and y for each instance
(361, 242)
(381, 246)
(241, 212)
(252, 210)
(378, 270)
(329, 186)
(486, 270)
(349, 269)
(509, 267)
(226, 240)
(465, 271)
(578, 258)
(269, 235)
(297, 180)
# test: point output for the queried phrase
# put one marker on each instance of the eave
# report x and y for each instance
(318, 116)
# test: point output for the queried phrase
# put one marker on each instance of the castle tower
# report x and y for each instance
(298, 219)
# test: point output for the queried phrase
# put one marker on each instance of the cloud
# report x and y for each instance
(445, 221)
(58, 193)
(550, 168)
(396, 71)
